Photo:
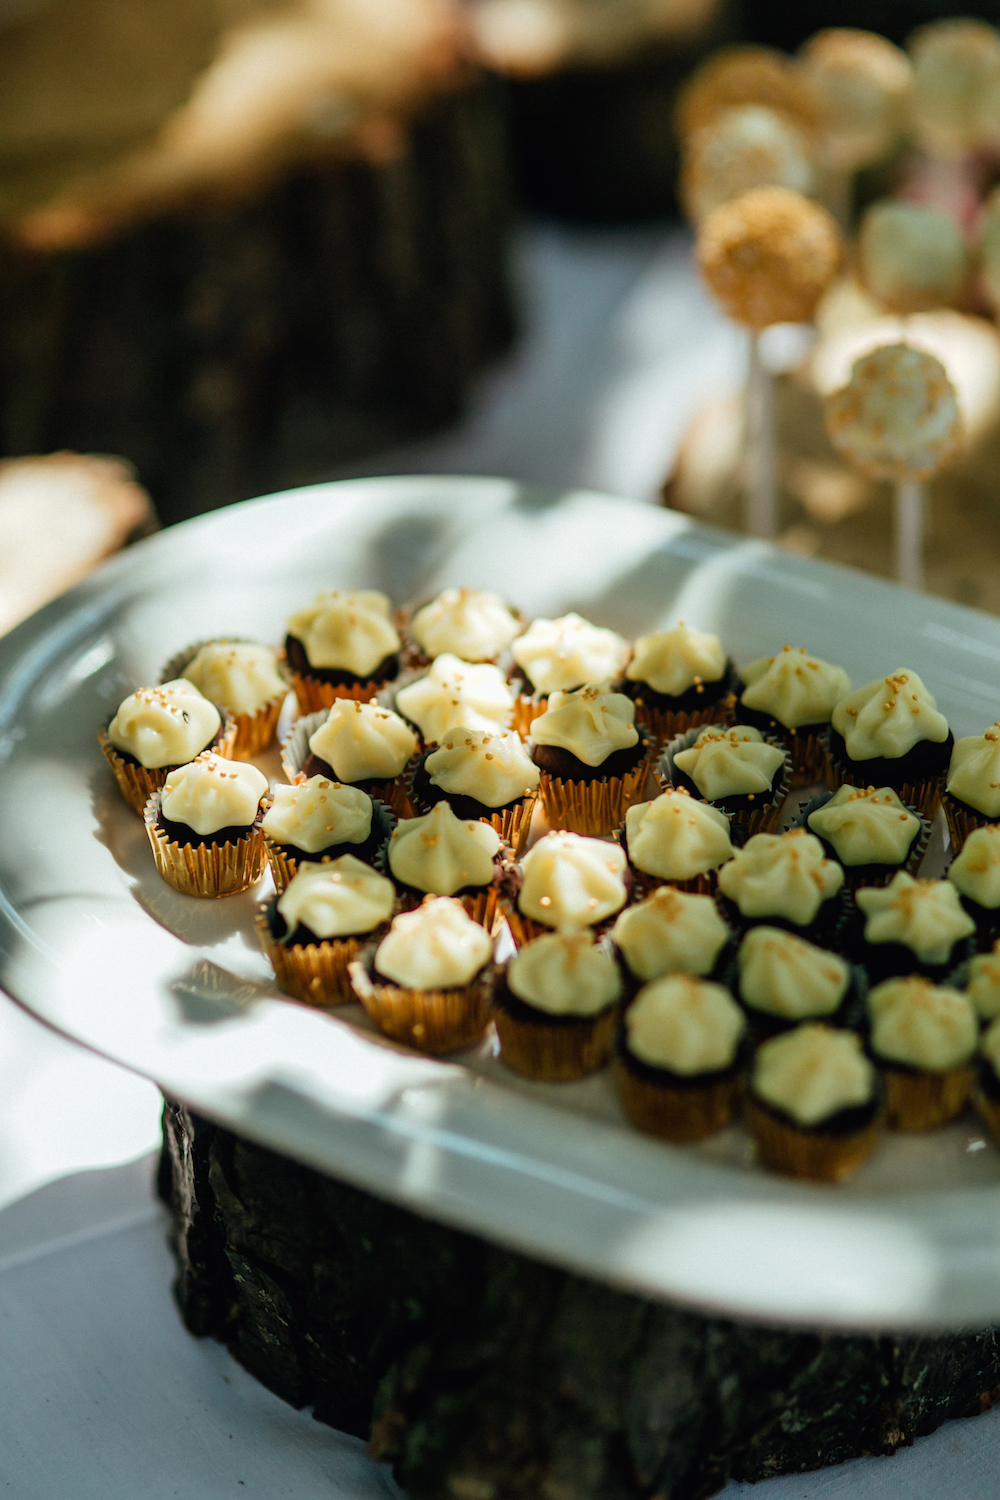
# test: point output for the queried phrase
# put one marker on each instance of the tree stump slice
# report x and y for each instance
(481, 1374)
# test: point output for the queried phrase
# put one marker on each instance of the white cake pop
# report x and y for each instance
(898, 416)
(911, 257)
(861, 84)
(743, 75)
(956, 65)
(743, 148)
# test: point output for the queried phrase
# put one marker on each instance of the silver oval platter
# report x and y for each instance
(177, 989)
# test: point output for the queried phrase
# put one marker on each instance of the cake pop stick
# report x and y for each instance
(898, 418)
(767, 257)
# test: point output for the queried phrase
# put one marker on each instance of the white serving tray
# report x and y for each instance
(94, 944)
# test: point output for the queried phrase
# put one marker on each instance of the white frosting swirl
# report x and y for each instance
(341, 898)
(812, 1073)
(456, 695)
(317, 814)
(888, 716)
(674, 661)
(685, 1024)
(241, 675)
(363, 741)
(676, 837)
(493, 767)
(783, 975)
(974, 772)
(557, 655)
(922, 1025)
(926, 916)
(436, 947)
(442, 854)
(346, 631)
(975, 873)
(565, 974)
(210, 793)
(572, 881)
(983, 988)
(730, 762)
(164, 726)
(794, 687)
(472, 623)
(781, 875)
(870, 827)
(670, 932)
(591, 723)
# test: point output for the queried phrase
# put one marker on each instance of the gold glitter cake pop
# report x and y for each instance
(898, 416)
(911, 257)
(743, 148)
(956, 67)
(768, 256)
(861, 84)
(743, 75)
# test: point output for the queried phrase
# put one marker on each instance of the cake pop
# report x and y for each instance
(742, 148)
(956, 67)
(743, 75)
(910, 257)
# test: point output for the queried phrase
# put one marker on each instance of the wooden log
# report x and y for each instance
(484, 1375)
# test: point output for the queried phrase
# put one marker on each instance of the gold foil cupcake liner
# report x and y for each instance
(592, 807)
(314, 695)
(295, 752)
(812, 1155)
(527, 709)
(808, 756)
(254, 732)
(923, 796)
(962, 821)
(664, 724)
(924, 1100)
(432, 1021)
(988, 1111)
(213, 870)
(482, 906)
(522, 929)
(675, 1114)
(138, 783)
(316, 973)
(555, 1053)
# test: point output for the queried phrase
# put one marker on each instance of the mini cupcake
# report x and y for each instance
(482, 775)
(317, 821)
(987, 1090)
(971, 798)
(244, 679)
(979, 980)
(975, 874)
(923, 1037)
(784, 880)
(565, 881)
(679, 678)
(358, 744)
(591, 757)
(428, 983)
(676, 840)
(889, 733)
(314, 929)
(790, 698)
(204, 826)
(913, 927)
(737, 770)
(469, 623)
(680, 1057)
(157, 729)
(439, 854)
(453, 695)
(555, 1007)
(560, 655)
(869, 832)
(782, 980)
(344, 645)
(815, 1105)
(670, 932)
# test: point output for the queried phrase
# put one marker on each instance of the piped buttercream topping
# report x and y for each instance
(491, 766)
(730, 762)
(869, 827)
(341, 898)
(794, 687)
(317, 814)
(164, 726)
(442, 854)
(471, 623)
(983, 987)
(926, 916)
(590, 722)
(975, 873)
(974, 772)
(922, 1025)
(670, 932)
(888, 716)
(783, 975)
(565, 974)
(674, 661)
(348, 630)
(210, 793)
(685, 1024)
(572, 881)
(676, 837)
(241, 675)
(781, 875)
(456, 694)
(363, 741)
(812, 1073)
(436, 947)
(558, 655)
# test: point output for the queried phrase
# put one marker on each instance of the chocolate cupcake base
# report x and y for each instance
(830, 1152)
(674, 1106)
(550, 1048)
(916, 777)
(316, 973)
(666, 716)
(963, 819)
(205, 868)
(435, 1021)
(285, 859)
(320, 687)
